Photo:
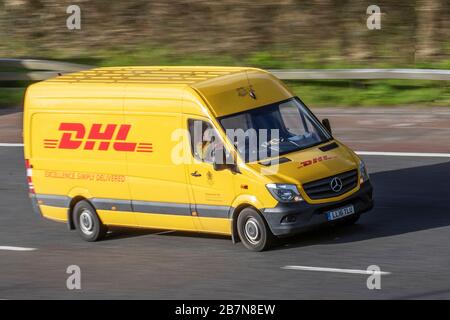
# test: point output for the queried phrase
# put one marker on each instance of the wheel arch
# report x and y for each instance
(76, 195)
(72, 204)
(234, 215)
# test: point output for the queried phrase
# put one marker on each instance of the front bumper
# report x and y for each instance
(291, 218)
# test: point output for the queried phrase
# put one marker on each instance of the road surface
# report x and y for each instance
(406, 234)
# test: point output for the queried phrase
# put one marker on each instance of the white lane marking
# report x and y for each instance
(403, 154)
(11, 144)
(364, 153)
(10, 248)
(353, 271)
(165, 232)
(345, 113)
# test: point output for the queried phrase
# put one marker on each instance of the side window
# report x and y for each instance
(203, 138)
(293, 120)
(241, 121)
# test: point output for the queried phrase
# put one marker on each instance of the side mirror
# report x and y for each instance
(327, 125)
(220, 166)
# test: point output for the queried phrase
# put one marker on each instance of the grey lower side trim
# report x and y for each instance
(212, 211)
(53, 200)
(107, 204)
(150, 207)
(34, 204)
(162, 207)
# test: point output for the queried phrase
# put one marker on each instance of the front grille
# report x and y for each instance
(321, 189)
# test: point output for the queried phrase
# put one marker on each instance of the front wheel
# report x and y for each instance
(253, 230)
(87, 222)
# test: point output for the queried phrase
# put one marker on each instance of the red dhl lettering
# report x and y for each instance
(315, 160)
(99, 137)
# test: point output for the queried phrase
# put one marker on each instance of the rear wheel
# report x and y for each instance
(87, 222)
(253, 230)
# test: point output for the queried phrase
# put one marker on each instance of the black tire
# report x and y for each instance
(87, 222)
(253, 230)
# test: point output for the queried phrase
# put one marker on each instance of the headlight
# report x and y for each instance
(284, 192)
(363, 172)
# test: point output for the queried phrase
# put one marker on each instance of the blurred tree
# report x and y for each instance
(301, 31)
(428, 22)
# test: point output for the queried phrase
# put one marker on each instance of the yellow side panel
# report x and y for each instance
(216, 225)
(79, 97)
(166, 221)
(154, 174)
(118, 218)
(54, 213)
(93, 164)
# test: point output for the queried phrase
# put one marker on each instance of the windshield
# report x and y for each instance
(273, 130)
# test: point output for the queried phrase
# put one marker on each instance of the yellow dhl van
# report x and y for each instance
(114, 147)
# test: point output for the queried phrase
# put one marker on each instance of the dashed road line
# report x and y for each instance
(11, 144)
(164, 232)
(11, 248)
(337, 270)
(403, 154)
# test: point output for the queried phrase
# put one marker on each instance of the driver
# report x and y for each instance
(204, 149)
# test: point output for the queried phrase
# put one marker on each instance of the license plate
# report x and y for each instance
(340, 213)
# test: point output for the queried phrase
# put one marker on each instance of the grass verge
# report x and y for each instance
(316, 93)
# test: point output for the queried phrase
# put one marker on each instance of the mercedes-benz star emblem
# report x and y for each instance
(336, 184)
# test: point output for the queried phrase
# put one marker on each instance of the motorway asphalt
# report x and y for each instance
(406, 234)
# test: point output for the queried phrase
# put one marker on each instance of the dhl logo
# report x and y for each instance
(99, 137)
(315, 160)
